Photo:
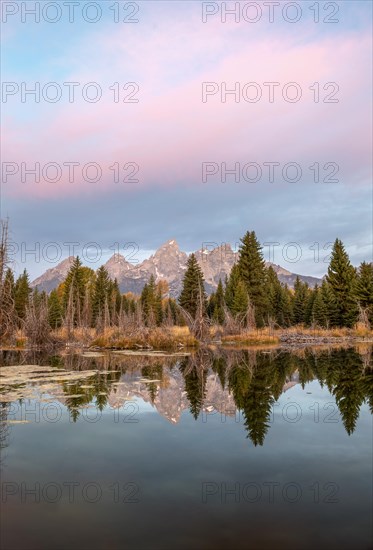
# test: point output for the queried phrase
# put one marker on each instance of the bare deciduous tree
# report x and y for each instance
(7, 311)
(36, 324)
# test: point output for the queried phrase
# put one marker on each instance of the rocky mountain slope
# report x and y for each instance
(51, 278)
(168, 263)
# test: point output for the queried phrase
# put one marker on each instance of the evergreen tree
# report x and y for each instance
(239, 379)
(299, 301)
(9, 284)
(211, 304)
(279, 300)
(100, 294)
(253, 273)
(151, 373)
(54, 310)
(176, 313)
(308, 315)
(144, 298)
(193, 284)
(22, 291)
(257, 406)
(151, 302)
(348, 390)
(285, 318)
(363, 289)
(38, 297)
(158, 306)
(219, 366)
(8, 318)
(74, 290)
(195, 387)
(125, 304)
(218, 311)
(319, 309)
(231, 284)
(341, 277)
(151, 292)
(241, 300)
(330, 304)
(366, 385)
(115, 298)
(132, 305)
(272, 292)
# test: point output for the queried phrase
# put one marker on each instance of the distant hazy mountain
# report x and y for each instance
(168, 263)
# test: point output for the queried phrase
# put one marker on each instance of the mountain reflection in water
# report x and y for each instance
(244, 384)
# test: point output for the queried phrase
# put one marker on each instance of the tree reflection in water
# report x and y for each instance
(254, 380)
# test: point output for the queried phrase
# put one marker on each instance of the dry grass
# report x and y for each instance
(83, 335)
(252, 337)
(21, 343)
(358, 331)
(362, 331)
(173, 338)
(161, 338)
(158, 338)
(180, 332)
(20, 340)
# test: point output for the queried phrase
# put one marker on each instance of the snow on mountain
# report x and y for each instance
(167, 263)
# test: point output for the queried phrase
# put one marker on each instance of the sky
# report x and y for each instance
(158, 120)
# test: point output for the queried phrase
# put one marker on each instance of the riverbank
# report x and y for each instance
(177, 338)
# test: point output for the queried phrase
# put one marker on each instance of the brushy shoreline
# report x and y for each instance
(176, 338)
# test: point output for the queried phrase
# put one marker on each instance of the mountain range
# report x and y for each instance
(167, 263)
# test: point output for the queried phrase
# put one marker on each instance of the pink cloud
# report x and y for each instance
(170, 132)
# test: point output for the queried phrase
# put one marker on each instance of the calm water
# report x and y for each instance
(233, 450)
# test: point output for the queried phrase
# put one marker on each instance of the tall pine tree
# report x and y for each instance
(217, 312)
(241, 300)
(252, 271)
(100, 293)
(151, 302)
(300, 299)
(193, 284)
(54, 310)
(341, 277)
(279, 300)
(363, 289)
(231, 284)
(330, 305)
(319, 309)
(22, 291)
(74, 291)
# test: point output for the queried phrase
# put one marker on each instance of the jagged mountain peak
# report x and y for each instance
(170, 249)
(53, 276)
(168, 263)
(117, 266)
(171, 243)
(117, 259)
(216, 263)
